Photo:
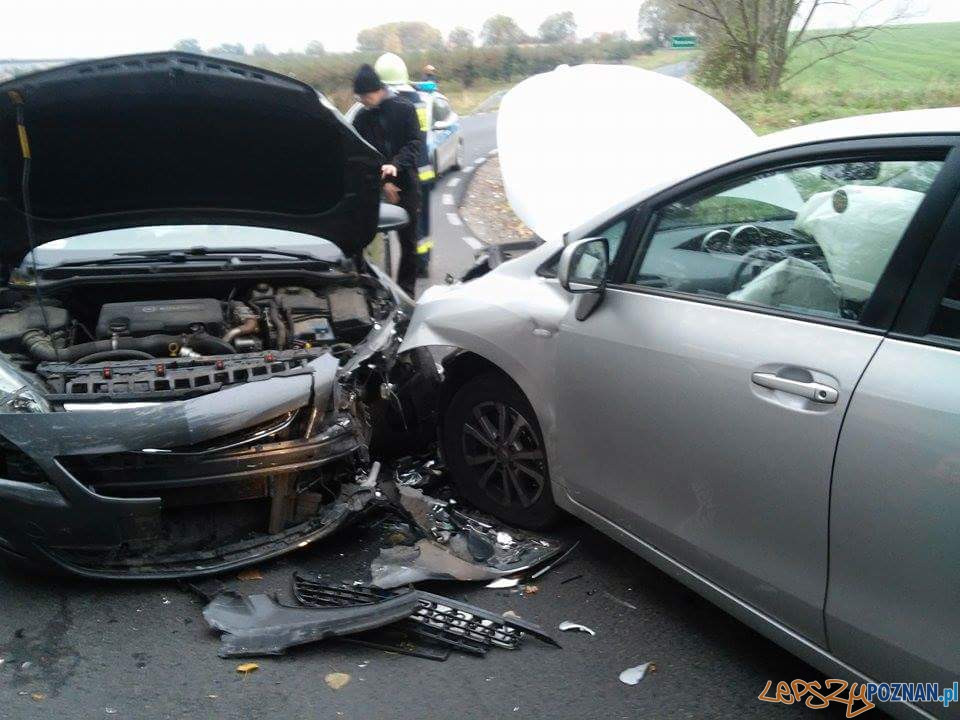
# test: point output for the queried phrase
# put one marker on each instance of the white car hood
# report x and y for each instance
(575, 141)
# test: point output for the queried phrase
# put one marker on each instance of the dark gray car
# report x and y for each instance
(194, 358)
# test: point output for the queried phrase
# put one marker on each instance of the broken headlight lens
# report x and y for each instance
(19, 393)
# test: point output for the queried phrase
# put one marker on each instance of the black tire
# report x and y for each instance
(458, 161)
(494, 448)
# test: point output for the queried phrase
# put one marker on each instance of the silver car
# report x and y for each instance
(748, 375)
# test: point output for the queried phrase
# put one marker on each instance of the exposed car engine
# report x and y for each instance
(176, 347)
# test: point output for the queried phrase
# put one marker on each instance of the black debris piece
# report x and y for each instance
(464, 627)
(259, 625)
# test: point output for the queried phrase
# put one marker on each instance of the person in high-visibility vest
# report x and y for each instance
(393, 72)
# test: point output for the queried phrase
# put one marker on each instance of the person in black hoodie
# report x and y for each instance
(390, 124)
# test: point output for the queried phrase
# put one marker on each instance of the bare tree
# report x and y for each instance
(759, 37)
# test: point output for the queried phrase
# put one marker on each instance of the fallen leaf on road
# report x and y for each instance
(337, 680)
(38, 696)
(247, 668)
(249, 574)
(530, 589)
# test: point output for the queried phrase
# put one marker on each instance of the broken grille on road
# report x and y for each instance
(443, 620)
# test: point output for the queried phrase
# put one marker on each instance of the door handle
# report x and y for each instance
(817, 392)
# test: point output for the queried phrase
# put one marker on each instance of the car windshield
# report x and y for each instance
(93, 246)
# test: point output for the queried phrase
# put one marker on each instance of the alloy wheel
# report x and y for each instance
(505, 454)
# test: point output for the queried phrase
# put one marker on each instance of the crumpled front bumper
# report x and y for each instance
(67, 519)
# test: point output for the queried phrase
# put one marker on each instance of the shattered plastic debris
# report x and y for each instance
(456, 546)
(259, 625)
(503, 583)
(558, 561)
(567, 626)
(246, 668)
(631, 676)
(337, 680)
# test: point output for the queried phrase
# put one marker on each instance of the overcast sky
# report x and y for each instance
(85, 28)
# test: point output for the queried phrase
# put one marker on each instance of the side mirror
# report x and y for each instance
(392, 217)
(583, 266)
(582, 270)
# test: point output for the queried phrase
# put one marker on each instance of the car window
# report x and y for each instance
(813, 239)
(441, 110)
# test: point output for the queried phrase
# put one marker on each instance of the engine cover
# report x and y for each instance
(161, 316)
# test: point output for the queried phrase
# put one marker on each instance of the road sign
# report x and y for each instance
(683, 41)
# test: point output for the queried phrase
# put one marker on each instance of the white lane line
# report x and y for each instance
(453, 182)
(454, 219)
(447, 199)
(473, 242)
(467, 170)
(495, 151)
(479, 161)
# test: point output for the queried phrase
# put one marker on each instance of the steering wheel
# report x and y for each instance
(755, 261)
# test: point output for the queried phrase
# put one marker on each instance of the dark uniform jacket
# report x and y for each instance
(394, 129)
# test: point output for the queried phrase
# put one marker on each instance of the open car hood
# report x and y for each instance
(576, 141)
(174, 138)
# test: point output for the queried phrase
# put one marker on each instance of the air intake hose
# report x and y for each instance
(39, 345)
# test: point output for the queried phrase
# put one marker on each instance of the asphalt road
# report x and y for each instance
(71, 649)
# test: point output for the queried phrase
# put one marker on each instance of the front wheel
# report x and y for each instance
(494, 449)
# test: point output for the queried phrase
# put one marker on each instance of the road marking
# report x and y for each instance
(452, 184)
(447, 199)
(454, 219)
(495, 151)
(479, 161)
(473, 242)
(467, 170)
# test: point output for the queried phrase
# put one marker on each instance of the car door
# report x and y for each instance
(893, 608)
(699, 405)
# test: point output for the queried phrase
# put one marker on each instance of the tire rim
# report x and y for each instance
(505, 454)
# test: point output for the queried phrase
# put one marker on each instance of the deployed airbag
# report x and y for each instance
(792, 284)
(858, 227)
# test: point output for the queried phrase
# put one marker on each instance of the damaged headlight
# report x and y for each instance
(19, 393)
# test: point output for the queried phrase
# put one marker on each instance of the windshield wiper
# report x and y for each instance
(197, 253)
(180, 255)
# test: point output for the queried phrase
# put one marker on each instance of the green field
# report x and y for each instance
(897, 68)
(899, 57)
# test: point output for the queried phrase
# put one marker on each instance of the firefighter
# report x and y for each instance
(389, 123)
(393, 72)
